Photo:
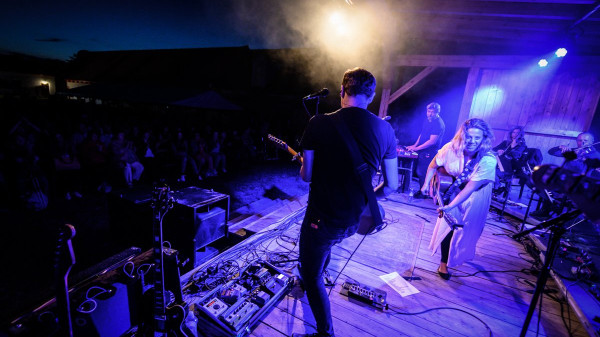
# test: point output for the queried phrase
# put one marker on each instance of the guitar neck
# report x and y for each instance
(282, 145)
(291, 151)
(160, 313)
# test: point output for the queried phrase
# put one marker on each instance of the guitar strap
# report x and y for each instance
(460, 180)
(360, 168)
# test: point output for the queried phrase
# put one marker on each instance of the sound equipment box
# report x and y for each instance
(198, 218)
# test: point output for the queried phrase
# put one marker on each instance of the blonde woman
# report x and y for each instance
(467, 157)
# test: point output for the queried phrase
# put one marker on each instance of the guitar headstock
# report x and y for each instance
(161, 198)
(64, 256)
(278, 142)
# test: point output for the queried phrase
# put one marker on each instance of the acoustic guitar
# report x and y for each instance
(441, 183)
(366, 221)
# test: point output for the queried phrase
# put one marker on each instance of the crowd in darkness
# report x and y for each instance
(70, 150)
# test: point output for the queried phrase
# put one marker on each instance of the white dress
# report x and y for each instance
(472, 211)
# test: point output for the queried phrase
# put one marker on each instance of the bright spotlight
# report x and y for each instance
(336, 18)
(543, 63)
(561, 52)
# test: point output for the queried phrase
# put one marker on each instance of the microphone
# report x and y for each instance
(322, 93)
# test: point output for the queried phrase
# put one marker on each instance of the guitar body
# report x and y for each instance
(365, 223)
(441, 182)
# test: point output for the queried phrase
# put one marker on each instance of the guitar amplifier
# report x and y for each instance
(198, 218)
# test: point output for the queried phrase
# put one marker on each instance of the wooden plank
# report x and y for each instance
(411, 83)
(590, 104)
(468, 96)
(442, 308)
(385, 102)
(488, 61)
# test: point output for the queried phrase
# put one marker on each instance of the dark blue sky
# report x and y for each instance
(58, 29)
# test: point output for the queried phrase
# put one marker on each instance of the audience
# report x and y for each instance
(87, 156)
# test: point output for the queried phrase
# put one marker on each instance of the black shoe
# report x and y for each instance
(541, 214)
(445, 276)
(420, 195)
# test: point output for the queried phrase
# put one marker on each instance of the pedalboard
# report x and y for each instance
(365, 294)
(231, 308)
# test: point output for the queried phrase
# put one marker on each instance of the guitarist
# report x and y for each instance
(337, 198)
(468, 158)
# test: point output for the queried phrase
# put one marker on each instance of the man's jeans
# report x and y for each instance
(316, 240)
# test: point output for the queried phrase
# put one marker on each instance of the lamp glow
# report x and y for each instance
(561, 52)
(543, 63)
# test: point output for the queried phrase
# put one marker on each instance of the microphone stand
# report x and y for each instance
(316, 107)
(556, 232)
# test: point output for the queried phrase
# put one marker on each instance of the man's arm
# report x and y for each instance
(430, 142)
(389, 170)
(307, 165)
(412, 147)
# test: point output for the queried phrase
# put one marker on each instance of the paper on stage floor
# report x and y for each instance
(399, 284)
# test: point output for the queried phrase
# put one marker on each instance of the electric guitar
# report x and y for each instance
(168, 317)
(282, 145)
(64, 259)
(441, 183)
(365, 226)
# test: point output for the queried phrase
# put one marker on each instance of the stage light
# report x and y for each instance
(543, 63)
(561, 52)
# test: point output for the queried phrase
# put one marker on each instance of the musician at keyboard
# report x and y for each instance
(428, 143)
(468, 157)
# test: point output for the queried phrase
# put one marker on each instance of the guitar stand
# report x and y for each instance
(557, 229)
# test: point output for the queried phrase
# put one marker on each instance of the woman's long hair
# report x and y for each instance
(458, 142)
(520, 137)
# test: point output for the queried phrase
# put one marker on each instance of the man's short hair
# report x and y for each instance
(587, 134)
(435, 106)
(359, 81)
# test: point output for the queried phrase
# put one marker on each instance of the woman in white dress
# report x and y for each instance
(472, 142)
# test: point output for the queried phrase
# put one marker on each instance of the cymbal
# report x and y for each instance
(555, 151)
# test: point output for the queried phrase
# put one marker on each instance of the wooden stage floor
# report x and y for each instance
(488, 296)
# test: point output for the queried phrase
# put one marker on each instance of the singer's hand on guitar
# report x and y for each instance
(564, 148)
(500, 152)
(297, 157)
(445, 208)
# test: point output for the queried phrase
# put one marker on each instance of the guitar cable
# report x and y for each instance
(90, 300)
(384, 224)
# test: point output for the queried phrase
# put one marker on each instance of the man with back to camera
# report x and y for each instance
(337, 199)
(428, 143)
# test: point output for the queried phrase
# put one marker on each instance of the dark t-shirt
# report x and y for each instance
(336, 193)
(435, 127)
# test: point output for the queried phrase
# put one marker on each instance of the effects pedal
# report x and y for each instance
(374, 297)
(239, 313)
(215, 307)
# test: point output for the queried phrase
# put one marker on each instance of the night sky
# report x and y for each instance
(58, 29)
